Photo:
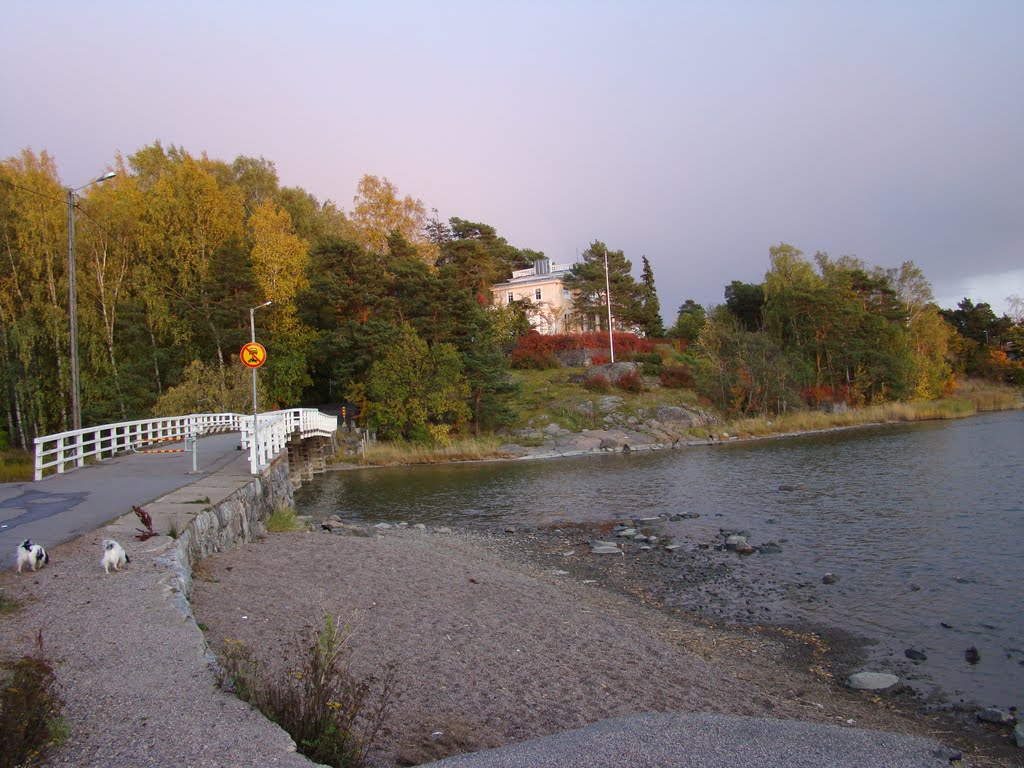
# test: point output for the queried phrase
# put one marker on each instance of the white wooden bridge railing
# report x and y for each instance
(276, 427)
(71, 449)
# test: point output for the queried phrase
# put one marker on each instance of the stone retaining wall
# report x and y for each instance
(239, 518)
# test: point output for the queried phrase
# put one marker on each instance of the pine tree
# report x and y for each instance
(650, 308)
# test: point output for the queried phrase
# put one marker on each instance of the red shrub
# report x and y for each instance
(676, 377)
(598, 383)
(535, 359)
(819, 395)
(631, 381)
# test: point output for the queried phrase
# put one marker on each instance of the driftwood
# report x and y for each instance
(147, 521)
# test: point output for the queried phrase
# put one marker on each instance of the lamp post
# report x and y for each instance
(608, 296)
(255, 467)
(76, 404)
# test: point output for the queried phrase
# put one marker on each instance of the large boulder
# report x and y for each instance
(872, 681)
(612, 371)
(685, 417)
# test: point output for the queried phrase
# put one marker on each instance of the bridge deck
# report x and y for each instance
(61, 507)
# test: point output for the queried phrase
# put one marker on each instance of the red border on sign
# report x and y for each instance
(253, 355)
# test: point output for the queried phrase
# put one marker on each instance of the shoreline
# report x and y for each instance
(845, 647)
(644, 441)
(500, 635)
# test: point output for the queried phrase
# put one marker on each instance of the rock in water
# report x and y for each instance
(915, 655)
(972, 655)
(829, 578)
(872, 681)
(996, 716)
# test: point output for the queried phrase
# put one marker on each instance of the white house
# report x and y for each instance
(541, 288)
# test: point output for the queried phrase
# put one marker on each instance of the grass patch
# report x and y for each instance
(988, 396)
(464, 449)
(333, 717)
(960, 406)
(173, 531)
(16, 466)
(30, 707)
(546, 396)
(9, 604)
(284, 520)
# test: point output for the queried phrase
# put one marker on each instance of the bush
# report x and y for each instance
(534, 359)
(333, 717)
(631, 381)
(284, 520)
(536, 346)
(676, 377)
(597, 383)
(29, 711)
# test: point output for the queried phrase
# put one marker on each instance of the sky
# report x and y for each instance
(696, 133)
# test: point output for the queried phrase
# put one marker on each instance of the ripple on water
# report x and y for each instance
(935, 505)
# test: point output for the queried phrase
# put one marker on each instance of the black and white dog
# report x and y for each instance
(113, 555)
(32, 555)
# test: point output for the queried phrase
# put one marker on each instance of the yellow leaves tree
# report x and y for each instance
(33, 291)
(280, 261)
(280, 258)
(189, 221)
(379, 211)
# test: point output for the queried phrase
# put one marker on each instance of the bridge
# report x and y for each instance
(265, 436)
(86, 477)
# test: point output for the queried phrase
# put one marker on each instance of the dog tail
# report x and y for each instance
(46, 557)
(126, 558)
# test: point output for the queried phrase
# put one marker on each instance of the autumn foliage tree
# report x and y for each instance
(415, 392)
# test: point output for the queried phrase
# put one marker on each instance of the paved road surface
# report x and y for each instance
(59, 508)
(705, 740)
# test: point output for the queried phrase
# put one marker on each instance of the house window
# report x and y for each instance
(511, 297)
(536, 294)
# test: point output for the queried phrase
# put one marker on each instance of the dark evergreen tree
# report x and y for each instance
(587, 279)
(650, 308)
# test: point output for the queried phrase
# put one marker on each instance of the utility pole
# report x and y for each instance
(608, 298)
(76, 404)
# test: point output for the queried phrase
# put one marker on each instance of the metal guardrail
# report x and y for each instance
(71, 449)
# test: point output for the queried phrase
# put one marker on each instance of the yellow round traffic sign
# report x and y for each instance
(253, 355)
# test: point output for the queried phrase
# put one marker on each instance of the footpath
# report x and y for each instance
(135, 674)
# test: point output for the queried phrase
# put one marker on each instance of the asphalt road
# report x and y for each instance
(62, 507)
(704, 740)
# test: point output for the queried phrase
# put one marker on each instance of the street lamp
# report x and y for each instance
(255, 466)
(76, 404)
(608, 296)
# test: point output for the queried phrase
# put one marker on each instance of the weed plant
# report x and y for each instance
(463, 449)
(16, 466)
(333, 717)
(30, 707)
(284, 520)
(8, 604)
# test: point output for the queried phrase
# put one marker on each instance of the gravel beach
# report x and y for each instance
(495, 642)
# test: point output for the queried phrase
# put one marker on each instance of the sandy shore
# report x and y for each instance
(494, 640)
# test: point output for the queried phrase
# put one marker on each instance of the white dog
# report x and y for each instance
(113, 555)
(32, 555)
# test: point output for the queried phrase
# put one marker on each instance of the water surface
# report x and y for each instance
(923, 523)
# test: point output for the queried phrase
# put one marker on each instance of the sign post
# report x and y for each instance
(253, 355)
